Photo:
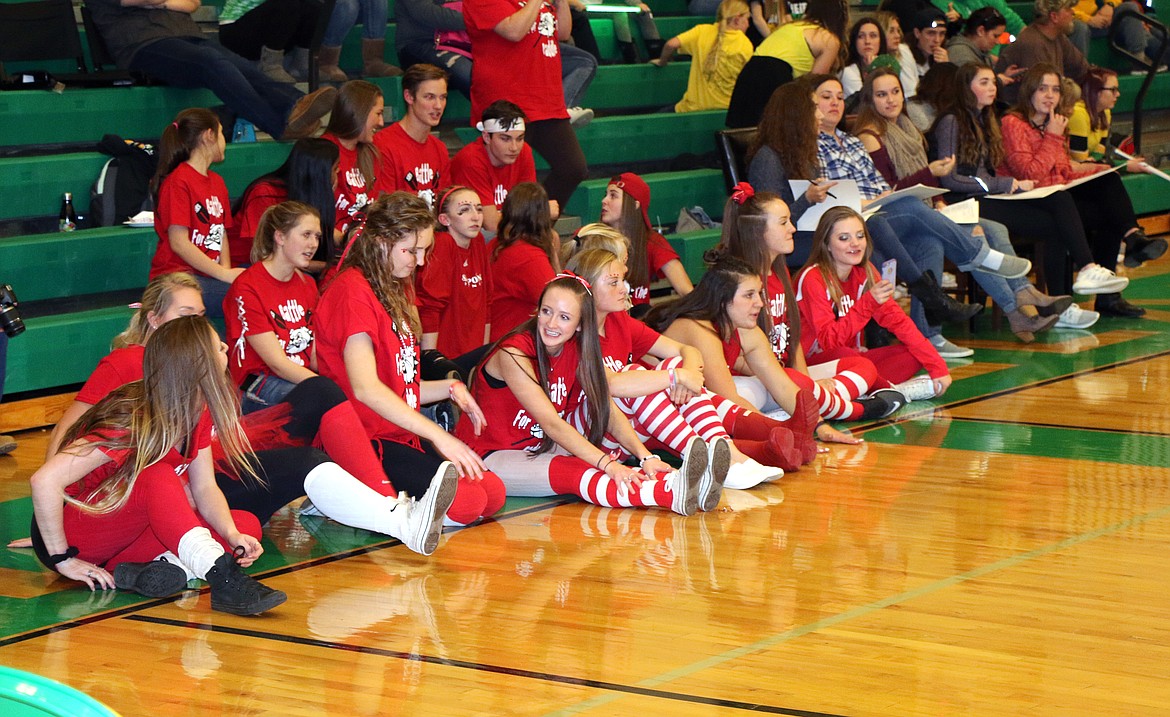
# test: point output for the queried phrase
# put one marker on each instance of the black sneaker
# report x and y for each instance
(881, 403)
(155, 579)
(236, 592)
(1140, 249)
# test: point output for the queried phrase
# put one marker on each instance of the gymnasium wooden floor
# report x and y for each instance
(1001, 551)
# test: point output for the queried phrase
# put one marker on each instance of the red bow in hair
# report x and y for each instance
(742, 192)
(566, 274)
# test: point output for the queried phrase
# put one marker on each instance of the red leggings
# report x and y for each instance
(151, 522)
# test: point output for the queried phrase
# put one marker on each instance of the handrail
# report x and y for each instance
(1156, 28)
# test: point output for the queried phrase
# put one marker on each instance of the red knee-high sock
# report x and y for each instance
(470, 501)
(780, 450)
(494, 492)
(574, 476)
(803, 424)
(343, 437)
(752, 426)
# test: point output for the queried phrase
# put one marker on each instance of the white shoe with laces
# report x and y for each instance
(419, 523)
(1074, 317)
(1096, 279)
(919, 388)
(749, 474)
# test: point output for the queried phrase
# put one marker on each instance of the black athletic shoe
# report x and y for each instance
(1141, 249)
(881, 403)
(236, 592)
(155, 579)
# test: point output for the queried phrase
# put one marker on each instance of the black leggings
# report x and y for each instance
(283, 471)
(1055, 221)
(1107, 214)
(758, 79)
(276, 24)
(556, 141)
(409, 469)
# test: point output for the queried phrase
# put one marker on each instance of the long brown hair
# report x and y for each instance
(590, 368)
(525, 217)
(156, 299)
(821, 259)
(832, 15)
(1091, 87)
(179, 140)
(392, 218)
(148, 418)
(979, 138)
(355, 100)
(743, 237)
(709, 301)
(1029, 83)
(789, 128)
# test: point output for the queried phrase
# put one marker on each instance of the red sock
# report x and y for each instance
(574, 476)
(752, 426)
(780, 450)
(343, 437)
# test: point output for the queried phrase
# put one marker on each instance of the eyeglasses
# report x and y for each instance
(1114, 90)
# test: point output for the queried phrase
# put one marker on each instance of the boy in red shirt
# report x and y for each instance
(414, 160)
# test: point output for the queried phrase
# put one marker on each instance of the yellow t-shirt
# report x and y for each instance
(1082, 140)
(788, 44)
(712, 92)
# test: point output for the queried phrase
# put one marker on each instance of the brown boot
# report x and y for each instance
(305, 118)
(1026, 327)
(374, 60)
(1045, 305)
(328, 60)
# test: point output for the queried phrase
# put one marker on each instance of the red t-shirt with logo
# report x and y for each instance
(625, 341)
(659, 253)
(527, 72)
(261, 196)
(453, 290)
(411, 166)
(519, 274)
(352, 192)
(258, 303)
(472, 168)
(200, 203)
(349, 307)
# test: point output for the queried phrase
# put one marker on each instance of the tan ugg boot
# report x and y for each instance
(374, 60)
(327, 65)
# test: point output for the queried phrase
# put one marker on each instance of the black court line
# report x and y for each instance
(881, 423)
(482, 667)
(1062, 426)
(275, 572)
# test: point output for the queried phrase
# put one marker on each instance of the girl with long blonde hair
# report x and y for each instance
(115, 498)
(718, 52)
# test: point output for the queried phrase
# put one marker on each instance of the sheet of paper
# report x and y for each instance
(844, 194)
(964, 212)
(918, 191)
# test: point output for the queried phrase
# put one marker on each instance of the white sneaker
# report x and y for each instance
(684, 489)
(1096, 279)
(948, 350)
(694, 462)
(749, 474)
(718, 464)
(919, 388)
(1074, 317)
(419, 523)
(580, 116)
(307, 508)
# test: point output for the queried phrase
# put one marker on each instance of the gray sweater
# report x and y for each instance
(946, 138)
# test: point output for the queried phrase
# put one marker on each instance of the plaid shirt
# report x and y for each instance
(848, 159)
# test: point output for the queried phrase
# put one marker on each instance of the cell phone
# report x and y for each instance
(890, 271)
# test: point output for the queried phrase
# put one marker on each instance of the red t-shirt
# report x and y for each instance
(472, 168)
(659, 253)
(118, 368)
(257, 303)
(625, 341)
(821, 329)
(778, 310)
(261, 196)
(352, 192)
(411, 166)
(349, 307)
(519, 274)
(509, 427)
(179, 462)
(189, 199)
(453, 289)
(527, 72)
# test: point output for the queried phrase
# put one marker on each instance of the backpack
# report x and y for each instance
(122, 189)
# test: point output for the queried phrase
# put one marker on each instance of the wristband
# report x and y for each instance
(59, 558)
(673, 378)
(611, 460)
(643, 459)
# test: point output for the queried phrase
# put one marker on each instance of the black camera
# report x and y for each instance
(10, 320)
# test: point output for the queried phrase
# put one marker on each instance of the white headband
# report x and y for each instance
(495, 125)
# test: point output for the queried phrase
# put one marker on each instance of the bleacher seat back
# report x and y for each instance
(40, 31)
(733, 145)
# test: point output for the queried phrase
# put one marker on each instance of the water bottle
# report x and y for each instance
(68, 221)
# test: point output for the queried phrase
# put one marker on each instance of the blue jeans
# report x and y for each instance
(914, 256)
(1131, 33)
(1002, 291)
(458, 67)
(578, 68)
(197, 62)
(345, 15)
(918, 226)
(702, 7)
(214, 292)
(270, 391)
